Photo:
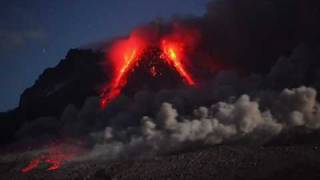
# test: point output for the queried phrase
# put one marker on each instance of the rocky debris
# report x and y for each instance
(218, 162)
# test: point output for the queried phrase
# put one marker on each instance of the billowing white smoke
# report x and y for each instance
(298, 107)
(236, 120)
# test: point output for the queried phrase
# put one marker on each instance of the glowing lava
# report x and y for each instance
(124, 54)
(173, 53)
(32, 165)
(153, 71)
(54, 158)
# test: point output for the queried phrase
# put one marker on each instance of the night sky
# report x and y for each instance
(36, 34)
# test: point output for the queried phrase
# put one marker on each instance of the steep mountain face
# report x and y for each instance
(75, 78)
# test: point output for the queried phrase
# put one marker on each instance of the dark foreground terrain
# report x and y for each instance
(220, 162)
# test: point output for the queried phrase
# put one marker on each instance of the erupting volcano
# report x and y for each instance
(126, 55)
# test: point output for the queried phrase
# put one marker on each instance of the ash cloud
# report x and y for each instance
(239, 120)
(253, 34)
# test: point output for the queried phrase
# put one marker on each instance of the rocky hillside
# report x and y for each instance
(76, 77)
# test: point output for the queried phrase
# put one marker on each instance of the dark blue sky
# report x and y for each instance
(36, 34)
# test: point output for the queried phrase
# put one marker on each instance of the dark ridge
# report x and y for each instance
(77, 76)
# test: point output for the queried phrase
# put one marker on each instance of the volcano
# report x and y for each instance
(152, 56)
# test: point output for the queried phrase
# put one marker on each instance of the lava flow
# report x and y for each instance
(126, 54)
(173, 52)
(54, 158)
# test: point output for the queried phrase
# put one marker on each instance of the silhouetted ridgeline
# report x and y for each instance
(75, 78)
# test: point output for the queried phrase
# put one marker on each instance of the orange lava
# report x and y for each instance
(124, 54)
(32, 165)
(173, 52)
(54, 158)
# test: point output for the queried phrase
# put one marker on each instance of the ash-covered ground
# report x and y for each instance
(219, 162)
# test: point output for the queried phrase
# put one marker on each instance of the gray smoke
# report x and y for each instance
(237, 120)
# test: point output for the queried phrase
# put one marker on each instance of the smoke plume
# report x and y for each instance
(238, 120)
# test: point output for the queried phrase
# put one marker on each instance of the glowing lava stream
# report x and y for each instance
(53, 162)
(124, 54)
(173, 53)
(54, 157)
(120, 79)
